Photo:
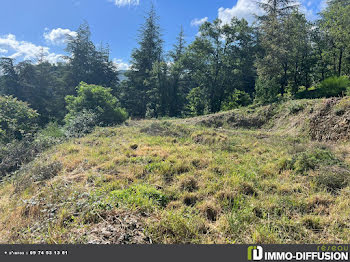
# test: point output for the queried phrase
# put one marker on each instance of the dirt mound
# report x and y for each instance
(118, 228)
(331, 122)
(252, 118)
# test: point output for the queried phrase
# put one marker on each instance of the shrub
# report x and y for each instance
(52, 130)
(334, 86)
(16, 153)
(295, 107)
(266, 90)
(81, 124)
(17, 119)
(139, 196)
(37, 171)
(96, 99)
(310, 160)
(196, 101)
(330, 87)
(333, 178)
(235, 100)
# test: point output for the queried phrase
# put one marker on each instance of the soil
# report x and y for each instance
(119, 228)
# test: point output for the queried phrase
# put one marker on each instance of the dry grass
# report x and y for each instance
(187, 184)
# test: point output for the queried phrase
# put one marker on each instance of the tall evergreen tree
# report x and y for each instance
(272, 63)
(137, 91)
(177, 91)
(88, 64)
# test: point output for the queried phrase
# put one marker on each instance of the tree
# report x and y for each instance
(9, 84)
(96, 99)
(272, 62)
(88, 64)
(137, 89)
(220, 60)
(17, 119)
(336, 23)
(177, 82)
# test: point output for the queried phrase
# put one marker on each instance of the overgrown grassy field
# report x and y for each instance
(258, 174)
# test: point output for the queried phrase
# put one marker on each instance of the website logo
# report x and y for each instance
(255, 253)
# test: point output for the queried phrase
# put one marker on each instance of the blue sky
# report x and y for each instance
(30, 26)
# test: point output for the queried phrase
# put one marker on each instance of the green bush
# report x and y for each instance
(81, 124)
(196, 102)
(17, 119)
(139, 196)
(330, 87)
(311, 160)
(96, 99)
(333, 178)
(52, 130)
(267, 90)
(17, 153)
(295, 107)
(235, 100)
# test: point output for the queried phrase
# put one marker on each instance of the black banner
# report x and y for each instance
(154, 253)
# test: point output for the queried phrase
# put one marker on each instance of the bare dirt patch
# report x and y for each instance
(327, 124)
(118, 228)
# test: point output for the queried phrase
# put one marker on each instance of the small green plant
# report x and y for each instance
(333, 178)
(139, 196)
(295, 107)
(342, 106)
(309, 160)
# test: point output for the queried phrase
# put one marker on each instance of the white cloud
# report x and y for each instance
(247, 9)
(243, 9)
(58, 36)
(3, 51)
(198, 22)
(121, 65)
(121, 3)
(26, 50)
(310, 9)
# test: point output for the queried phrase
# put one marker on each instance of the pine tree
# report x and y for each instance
(137, 91)
(88, 64)
(272, 65)
(177, 92)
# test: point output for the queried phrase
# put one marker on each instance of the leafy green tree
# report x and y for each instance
(336, 23)
(221, 60)
(43, 89)
(17, 119)
(321, 46)
(96, 99)
(298, 61)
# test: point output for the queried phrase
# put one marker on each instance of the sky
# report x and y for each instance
(29, 27)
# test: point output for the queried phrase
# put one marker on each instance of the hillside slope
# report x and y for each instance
(273, 174)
